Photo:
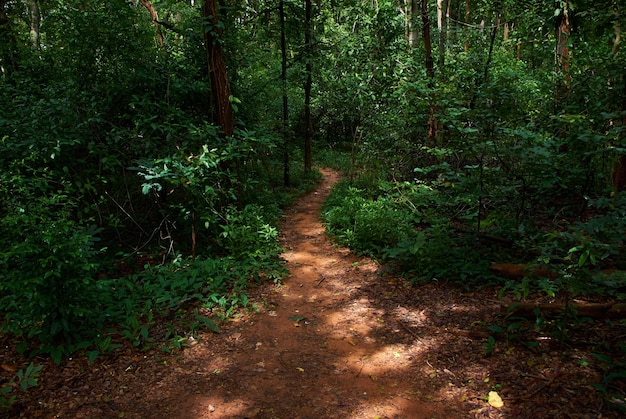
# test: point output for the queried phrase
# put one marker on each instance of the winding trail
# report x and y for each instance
(340, 338)
(317, 348)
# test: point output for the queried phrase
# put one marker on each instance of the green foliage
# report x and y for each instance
(408, 223)
(578, 252)
(48, 290)
(251, 242)
(25, 379)
(366, 225)
(515, 155)
(614, 373)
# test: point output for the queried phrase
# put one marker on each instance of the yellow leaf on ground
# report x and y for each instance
(495, 400)
(300, 369)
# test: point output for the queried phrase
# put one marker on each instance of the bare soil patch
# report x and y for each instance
(341, 337)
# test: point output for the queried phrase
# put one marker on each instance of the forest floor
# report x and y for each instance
(340, 337)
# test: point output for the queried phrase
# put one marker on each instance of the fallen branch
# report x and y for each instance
(412, 333)
(598, 311)
(519, 271)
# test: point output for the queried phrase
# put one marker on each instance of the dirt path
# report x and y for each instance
(340, 338)
(318, 348)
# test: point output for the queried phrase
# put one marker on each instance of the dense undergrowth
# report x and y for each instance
(63, 291)
(430, 231)
(427, 231)
(126, 208)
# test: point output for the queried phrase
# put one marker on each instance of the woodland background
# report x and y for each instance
(149, 147)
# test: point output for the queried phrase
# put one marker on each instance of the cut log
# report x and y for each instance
(520, 271)
(596, 311)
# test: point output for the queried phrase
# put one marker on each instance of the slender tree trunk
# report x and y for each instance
(7, 61)
(442, 24)
(285, 128)
(8, 44)
(619, 171)
(308, 137)
(467, 21)
(35, 24)
(430, 72)
(482, 79)
(430, 64)
(221, 108)
(492, 41)
(155, 20)
(562, 51)
(413, 30)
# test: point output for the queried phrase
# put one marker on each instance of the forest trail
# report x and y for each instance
(338, 338)
(318, 348)
(315, 349)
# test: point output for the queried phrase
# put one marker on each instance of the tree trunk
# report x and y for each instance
(155, 20)
(619, 171)
(492, 41)
(442, 24)
(308, 137)
(285, 128)
(221, 108)
(467, 21)
(562, 51)
(413, 31)
(430, 71)
(35, 24)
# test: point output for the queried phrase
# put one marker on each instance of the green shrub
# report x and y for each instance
(253, 242)
(365, 224)
(48, 289)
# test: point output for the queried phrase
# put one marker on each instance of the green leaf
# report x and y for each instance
(208, 323)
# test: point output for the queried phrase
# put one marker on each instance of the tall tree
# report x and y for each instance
(413, 27)
(221, 107)
(308, 47)
(35, 23)
(8, 46)
(430, 71)
(283, 76)
(155, 19)
(442, 27)
(562, 27)
(467, 21)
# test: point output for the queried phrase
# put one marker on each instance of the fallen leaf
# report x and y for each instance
(495, 400)
(296, 319)
(10, 367)
(300, 369)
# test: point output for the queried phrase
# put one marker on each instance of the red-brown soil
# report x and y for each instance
(341, 337)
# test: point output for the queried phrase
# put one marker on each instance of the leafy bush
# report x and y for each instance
(365, 224)
(26, 378)
(408, 223)
(48, 289)
(253, 242)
